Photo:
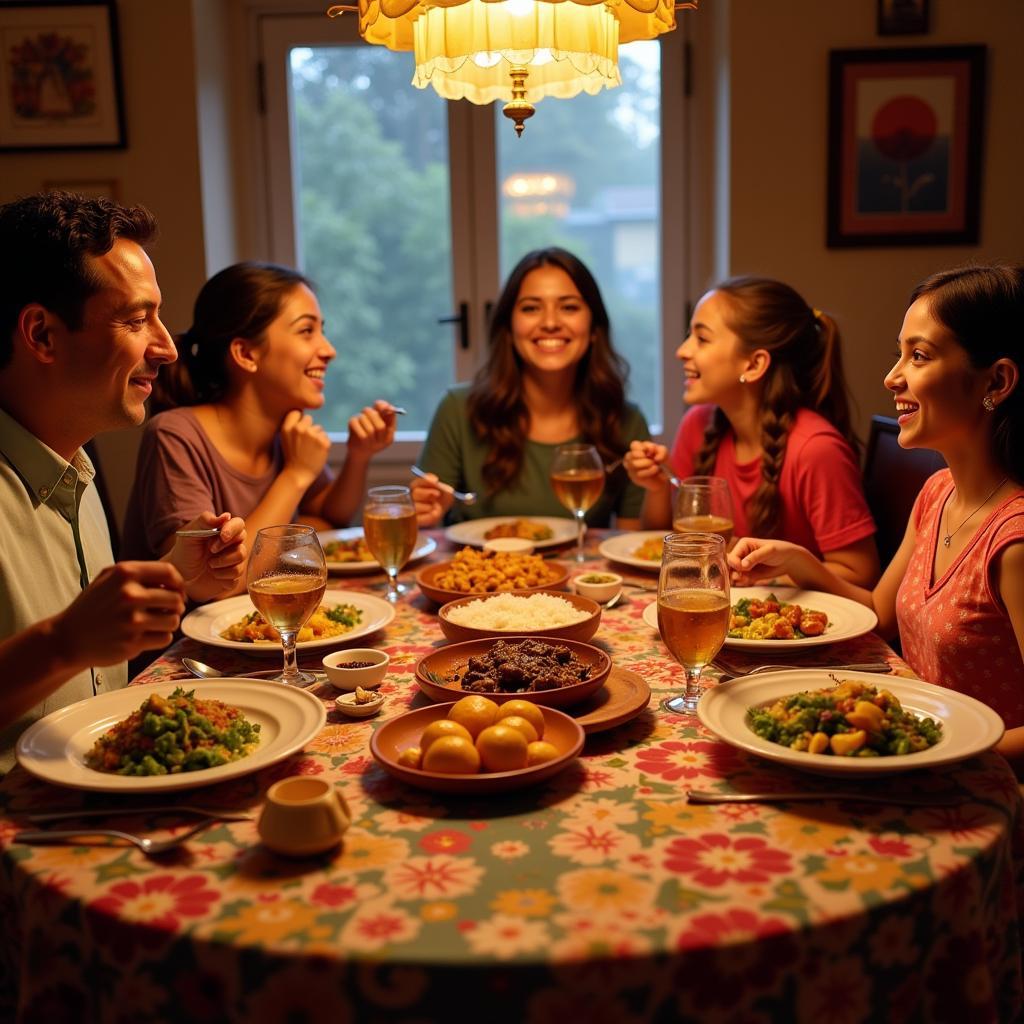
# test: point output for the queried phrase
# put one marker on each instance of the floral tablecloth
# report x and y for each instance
(600, 895)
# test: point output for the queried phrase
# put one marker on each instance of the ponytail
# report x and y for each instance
(805, 371)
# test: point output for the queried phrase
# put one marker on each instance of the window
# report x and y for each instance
(406, 210)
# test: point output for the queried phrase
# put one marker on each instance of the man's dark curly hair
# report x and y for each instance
(46, 240)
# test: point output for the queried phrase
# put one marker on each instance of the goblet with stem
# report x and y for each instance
(389, 526)
(577, 476)
(693, 607)
(286, 577)
(703, 505)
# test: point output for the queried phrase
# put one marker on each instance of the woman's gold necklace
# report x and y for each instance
(949, 536)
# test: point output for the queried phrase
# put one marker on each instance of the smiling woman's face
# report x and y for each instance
(938, 393)
(294, 353)
(551, 324)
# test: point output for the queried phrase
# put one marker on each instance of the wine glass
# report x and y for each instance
(389, 526)
(703, 505)
(577, 476)
(693, 606)
(287, 576)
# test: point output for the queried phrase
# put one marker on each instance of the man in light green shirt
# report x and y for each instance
(80, 343)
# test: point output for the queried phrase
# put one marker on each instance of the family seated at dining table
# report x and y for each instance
(82, 346)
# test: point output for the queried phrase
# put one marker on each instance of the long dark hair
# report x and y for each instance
(241, 301)
(806, 371)
(983, 308)
(497, 410)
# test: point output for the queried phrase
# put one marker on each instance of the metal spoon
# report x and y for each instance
(466, 497)
(150, 847)
(212, 531)
(204, 671)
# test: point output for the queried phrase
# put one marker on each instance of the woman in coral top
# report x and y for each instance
(768, 413)
(955, 588)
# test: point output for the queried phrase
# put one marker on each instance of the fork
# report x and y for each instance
(466, 497)
(672, 478)
(865, 666)
(150, 847)
(117, 812)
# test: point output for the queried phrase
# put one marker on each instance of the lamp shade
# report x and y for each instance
(467, 51)
(517, 50)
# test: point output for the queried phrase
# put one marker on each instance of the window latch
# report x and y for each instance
(462, 319)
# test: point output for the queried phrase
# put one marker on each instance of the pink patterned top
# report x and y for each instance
(955, 631)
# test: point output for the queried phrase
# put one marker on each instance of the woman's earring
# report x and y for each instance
(989, 403)
(743, 378)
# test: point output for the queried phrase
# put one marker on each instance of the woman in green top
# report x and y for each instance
(551, 377)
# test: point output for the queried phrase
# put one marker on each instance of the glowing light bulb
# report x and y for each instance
(542, 56)
(486, 58)
(519, 8)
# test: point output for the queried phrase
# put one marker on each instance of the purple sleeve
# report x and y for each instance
(172, 485)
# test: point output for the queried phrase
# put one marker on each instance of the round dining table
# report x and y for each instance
(600, 894)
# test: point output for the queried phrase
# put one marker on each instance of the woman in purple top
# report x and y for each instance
(235, 431)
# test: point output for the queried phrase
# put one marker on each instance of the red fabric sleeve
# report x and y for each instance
(688, 439)
(829, 490)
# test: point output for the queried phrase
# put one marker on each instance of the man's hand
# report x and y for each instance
(129, 607)
(211, 566)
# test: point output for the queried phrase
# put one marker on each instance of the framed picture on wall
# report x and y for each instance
(902, 17)
(60, 85)
(904, 146)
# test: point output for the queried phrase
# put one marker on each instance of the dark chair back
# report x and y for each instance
(100, 483)
(893, 477)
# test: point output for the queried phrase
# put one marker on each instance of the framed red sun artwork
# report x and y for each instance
(905, 146)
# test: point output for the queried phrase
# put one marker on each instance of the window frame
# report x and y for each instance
(474, 198)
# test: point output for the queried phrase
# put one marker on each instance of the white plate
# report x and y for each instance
(424, 546)
(846, 619)
(650, 616)
(968, 726)
(54, 748)
(208, 621)
(472, 531)
(621, 547)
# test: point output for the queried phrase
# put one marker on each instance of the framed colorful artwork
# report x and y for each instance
(60, 84)
(902, 17)
(905, 146)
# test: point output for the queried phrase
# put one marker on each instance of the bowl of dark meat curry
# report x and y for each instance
(545, 670)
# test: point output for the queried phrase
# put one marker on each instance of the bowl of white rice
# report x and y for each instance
(537, 613)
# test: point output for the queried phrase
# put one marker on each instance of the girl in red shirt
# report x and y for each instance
(768, 413)
(955, 588)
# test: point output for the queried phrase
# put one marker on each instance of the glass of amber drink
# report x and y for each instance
(390, 530)
(703, 505)
(693, 605)
(577, 477)
(286, 577)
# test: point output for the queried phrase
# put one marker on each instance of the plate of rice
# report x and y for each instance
(538, 613)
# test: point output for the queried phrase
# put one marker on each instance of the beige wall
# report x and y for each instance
(160, 169)
(778, 79)
(758, 166)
